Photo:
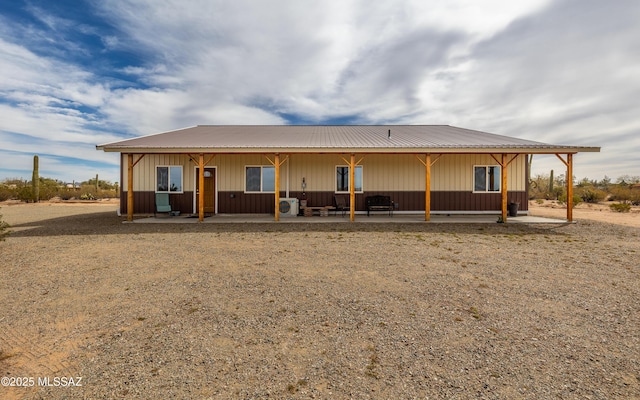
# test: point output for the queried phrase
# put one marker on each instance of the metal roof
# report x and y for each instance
(333, 139)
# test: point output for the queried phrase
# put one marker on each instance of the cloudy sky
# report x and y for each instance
(76, 73)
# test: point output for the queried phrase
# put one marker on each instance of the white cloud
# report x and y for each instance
(110, 42)
(51, 123)
(316, 59)
(559, 76)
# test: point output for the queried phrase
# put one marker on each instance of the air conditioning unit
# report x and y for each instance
(288, 207)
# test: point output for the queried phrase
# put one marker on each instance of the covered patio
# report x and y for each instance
(338, 219)
(429, 167)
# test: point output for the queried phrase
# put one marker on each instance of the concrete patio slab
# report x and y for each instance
(395, 219)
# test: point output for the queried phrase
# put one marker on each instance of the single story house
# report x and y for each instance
(423, 168)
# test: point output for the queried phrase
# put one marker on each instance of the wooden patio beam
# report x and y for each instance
(201, 188)
(427, 186)
(200, 162)
(130, 165)
(276, 164)
(569, 164)
(352, 184)
(503, 185)
(570, 187)
(129, 187)
(503, 167)
(352, 188)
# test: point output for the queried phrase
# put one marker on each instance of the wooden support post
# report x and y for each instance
(201, 188)
(503, 167)
(129, 187)
(276, 164)
(427, 189)
(570, 187)
(352, 188)
(569, 164)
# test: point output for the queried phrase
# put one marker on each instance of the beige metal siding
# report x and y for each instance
(144, 172)
(319, 171)
(381, 172)
(231, 169)
(400, 172)
(392, 172)
(455, 172)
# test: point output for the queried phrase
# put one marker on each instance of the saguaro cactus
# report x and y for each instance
(551, 182)
(35, 180)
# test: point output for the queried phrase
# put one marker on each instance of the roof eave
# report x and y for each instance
(341, 150)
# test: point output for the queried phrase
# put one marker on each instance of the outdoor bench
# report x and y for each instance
(379, 203)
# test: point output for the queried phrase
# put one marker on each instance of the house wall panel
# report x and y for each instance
(318, 170)
(231, 169)
(239, 203)
(144, 202)
(380, 172)
(144, 172)
(400, 176)
(455, 171)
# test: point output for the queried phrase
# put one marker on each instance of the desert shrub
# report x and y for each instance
(620, 207)
(25, 194)
(557, 193)
(634, 198)
(10, 188)
(49, 188)
(6, 193)
(591, 194)
(89, 192)
(4, 229)
(539, 188)
(562, 199)
(20, 189)
(67, 194)
(23, 190)
(621, 194)
(107, 193)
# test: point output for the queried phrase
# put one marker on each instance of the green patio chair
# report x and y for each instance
(341, 203)
(162, 204)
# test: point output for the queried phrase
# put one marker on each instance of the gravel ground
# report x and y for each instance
(316, 311)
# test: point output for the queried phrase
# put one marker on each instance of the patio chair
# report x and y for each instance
(341, 204)
(162, 204)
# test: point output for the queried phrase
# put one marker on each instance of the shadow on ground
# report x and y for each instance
(106, 223)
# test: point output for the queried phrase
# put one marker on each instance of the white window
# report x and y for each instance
(260, 179)
(169, 179)
(486, 178)
(342, 179)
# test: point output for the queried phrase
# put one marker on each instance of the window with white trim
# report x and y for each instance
(260, 179)
(342, 179)
(486, 178)
(169, 179)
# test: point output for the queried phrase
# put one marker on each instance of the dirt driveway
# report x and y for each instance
(585, 211)
(315, 311)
